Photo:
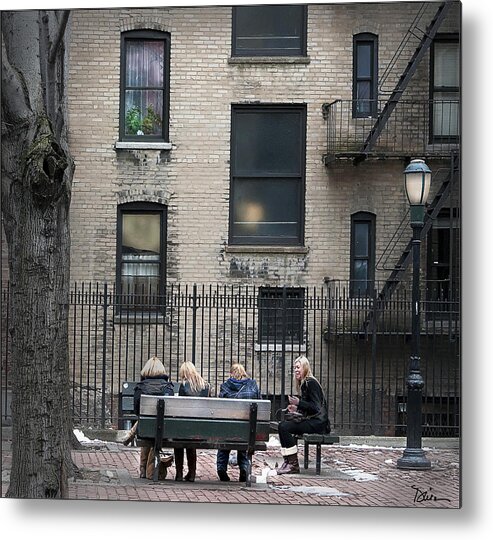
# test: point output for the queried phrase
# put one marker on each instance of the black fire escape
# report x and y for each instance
(399, 128)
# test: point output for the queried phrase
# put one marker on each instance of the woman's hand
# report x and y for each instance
(294, 400)
(292, 408)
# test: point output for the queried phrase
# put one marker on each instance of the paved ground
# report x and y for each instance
(352, 475)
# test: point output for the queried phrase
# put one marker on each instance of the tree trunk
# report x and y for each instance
(36, 185)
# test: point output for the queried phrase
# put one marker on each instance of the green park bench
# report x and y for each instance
(316, 439)
(203, 422)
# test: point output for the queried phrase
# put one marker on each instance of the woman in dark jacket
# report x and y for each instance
(192, 384)
(238, 386)
(311, 405)
(154, 382)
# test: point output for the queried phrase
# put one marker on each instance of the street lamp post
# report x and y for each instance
(417, 180)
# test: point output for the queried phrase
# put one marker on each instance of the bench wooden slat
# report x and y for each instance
(200, 407)
(315, 438)
(259, 446)
(202, 429)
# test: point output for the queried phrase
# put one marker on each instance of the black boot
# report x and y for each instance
(179, 464)
(223, 475)
(192, 464)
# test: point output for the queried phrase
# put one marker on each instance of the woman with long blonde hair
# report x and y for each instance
(311, 411)
(192, 385)
(190, 377)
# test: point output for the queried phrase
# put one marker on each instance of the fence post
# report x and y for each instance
(374, 362)
(103, 376)
(194, 321)
(283, 347)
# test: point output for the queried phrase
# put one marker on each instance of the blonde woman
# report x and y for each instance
(192, 384)
(238, 386)
(154, 381)
(312, 405)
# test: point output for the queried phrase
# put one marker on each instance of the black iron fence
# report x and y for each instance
(361, 367)
(416, 127)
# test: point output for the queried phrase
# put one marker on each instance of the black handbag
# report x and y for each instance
(294, 417)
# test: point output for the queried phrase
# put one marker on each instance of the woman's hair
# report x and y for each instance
(189, 374)
(153, 368)
(238, 372)
(306, 371)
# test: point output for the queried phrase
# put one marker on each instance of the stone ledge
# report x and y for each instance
(137, 145)
(252, 60)
(282, 250)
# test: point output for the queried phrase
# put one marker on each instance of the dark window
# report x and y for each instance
(269, 31)
(141, 254)
(281, 312)
(362, 254)
(144, 86)
(443, 254)
(267, 174)
(365, 75)
(445, 81)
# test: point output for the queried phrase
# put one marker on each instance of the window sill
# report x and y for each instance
(144, 145)
(242, 60)
(277, 347)
(283, 250)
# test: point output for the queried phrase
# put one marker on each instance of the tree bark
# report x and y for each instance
(37, 173)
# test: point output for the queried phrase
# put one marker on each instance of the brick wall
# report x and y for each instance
(193, 177)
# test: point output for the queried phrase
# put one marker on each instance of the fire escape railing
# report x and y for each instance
(424, 128)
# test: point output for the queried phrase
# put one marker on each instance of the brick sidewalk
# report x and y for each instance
(351, 476)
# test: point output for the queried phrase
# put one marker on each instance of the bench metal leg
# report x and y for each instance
(305, 456)
(319, 459)
(251, 441)
(158, 437)
(249, 472)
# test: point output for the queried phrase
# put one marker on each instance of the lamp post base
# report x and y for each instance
(413, 458)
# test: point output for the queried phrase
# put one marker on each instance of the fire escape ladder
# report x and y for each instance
(405, 258)
(406, 76)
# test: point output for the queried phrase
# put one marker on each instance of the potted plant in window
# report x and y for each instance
(136, 125)
(133, 121)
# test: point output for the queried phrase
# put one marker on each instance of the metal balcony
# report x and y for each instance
(424, 128)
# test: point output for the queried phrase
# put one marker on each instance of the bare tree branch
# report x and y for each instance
(59, 37)
(13, 87)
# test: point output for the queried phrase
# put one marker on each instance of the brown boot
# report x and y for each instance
(279, 470)
(292, 467)
(130, 436)
(192, 464)
(144, 454)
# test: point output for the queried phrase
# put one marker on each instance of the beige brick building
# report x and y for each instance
(193, 178)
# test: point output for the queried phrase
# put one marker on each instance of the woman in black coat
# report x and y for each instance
(192, 384)
(154, 382)
(311, 405)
